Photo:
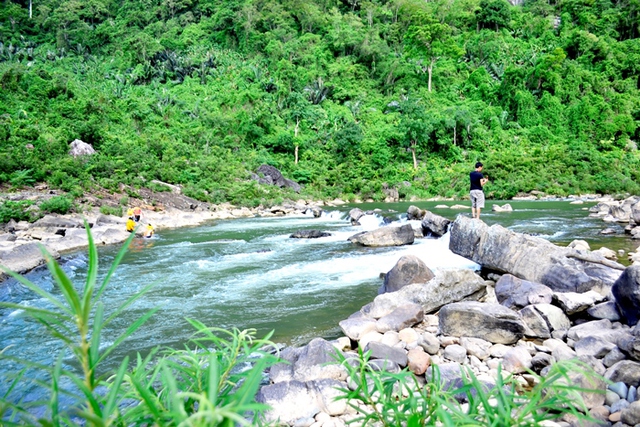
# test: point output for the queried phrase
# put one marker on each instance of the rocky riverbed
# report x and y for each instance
(532, 305)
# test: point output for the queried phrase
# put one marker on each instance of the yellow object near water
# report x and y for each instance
(130, 225)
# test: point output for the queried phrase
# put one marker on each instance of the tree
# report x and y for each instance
(493, 14)
(413, 126)
(428, 40)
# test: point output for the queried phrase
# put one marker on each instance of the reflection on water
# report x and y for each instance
(248, 273)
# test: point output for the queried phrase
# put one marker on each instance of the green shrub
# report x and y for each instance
(16, 210)
(111, 210)
(57, 204)
(398, 399)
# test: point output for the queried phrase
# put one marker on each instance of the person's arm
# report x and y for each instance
(484, 180)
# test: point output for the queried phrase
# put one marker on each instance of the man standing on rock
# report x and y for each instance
(477, 196)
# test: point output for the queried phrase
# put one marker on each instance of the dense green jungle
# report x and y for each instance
(346, 97)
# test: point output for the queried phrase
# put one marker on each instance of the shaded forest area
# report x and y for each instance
(345, 97)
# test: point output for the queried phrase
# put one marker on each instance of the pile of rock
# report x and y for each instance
(560, 307)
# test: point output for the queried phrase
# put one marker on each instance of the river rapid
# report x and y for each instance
(248, 273)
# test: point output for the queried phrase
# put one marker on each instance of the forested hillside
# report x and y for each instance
(342, 96)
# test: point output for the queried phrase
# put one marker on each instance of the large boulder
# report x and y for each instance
(355, 214)
(531, 258)
(626, 291)
(409, 269)
(446, 287)
(81, 148)
(271, 175)
(434, 225)
(491, 322)
(22, 258)
(385, 236)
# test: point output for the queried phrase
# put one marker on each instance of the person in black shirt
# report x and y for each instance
(477, 196)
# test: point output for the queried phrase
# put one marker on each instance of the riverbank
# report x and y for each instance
(21, 241)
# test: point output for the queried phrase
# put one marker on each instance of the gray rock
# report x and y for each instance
(631, 414)
(355, 214)
(356, 327)
(80, 148)
(7, 237)
(54, 221)
(430, 343)
(434, 225)
(613, 357)
(626, 371)
(292, 185)
(554, 317)
(415, 213)
(611, 397)
(385, 236)
(579, 245)
(314, 361)
(272, 175)
(632, 396)
(491, 322)
(573, 302)
(619, 406)
(563, 352)
(531, 258)
(476, 347)
(446, 287)
(409, 269)
(540, 361)
(455, 353)
(516, 293)
(536, 326)
(586, 329)
(517, 360)
(400, 318)
(606, 310)
(22, 258)
(449, 374)
(504, 208)
(289, 401)
(383, 351)
(593, 346)
(589, 382)
(309, 234)
(626, 291)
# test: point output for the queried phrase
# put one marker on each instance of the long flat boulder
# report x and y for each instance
(532, 258)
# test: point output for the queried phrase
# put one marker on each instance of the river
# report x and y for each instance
(248, 273)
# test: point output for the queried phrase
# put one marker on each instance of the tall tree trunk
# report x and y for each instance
(413, 153)
(295, 136)
(30, 9)
(430, 71)
(455, 126)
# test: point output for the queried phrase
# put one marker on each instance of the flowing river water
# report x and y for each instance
(248, 273)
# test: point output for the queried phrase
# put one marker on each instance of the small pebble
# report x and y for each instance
(615, 417)
(611, 397)
(632, 396)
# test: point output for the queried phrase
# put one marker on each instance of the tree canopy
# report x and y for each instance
(343, 96)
